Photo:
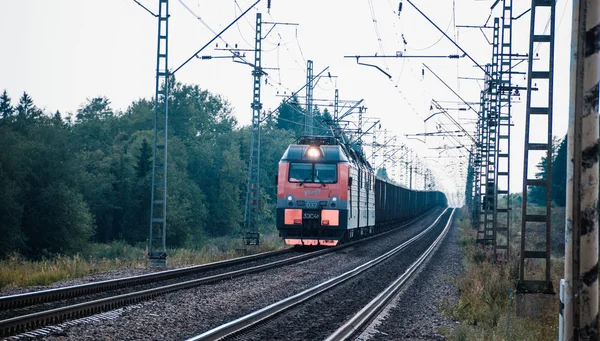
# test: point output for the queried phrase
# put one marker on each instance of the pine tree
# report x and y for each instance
(97, 108)
(6, 109)
(382, 173)
(57, 119)
(144, 162)
(25, 108)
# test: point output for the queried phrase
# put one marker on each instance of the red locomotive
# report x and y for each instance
(327, 193)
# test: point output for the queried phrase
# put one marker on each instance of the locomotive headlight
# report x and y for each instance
(289, 198)
(314, 152)
(334, 199)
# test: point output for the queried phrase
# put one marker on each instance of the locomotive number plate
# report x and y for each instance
(312, 204)
(311, 215)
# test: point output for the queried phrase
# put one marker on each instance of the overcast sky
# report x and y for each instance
(64, 51)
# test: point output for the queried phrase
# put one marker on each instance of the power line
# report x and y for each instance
(377, 33)
(300, 47)
(302, 67)
(453, 42)
(217, 36)
(437, 41)
(144, 7)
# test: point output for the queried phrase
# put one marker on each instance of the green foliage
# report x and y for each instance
(6, 109)
(25, 109)
(18, 271)
(537, 195)
(292, 117)
(482, 310)
(382, 173)
(70, 182)
(144, 160)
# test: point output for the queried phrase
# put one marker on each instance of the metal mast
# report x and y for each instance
(158, 200)
(336, 106)
(253, 197)
(308, 128)
(503, 144)
(487, 235)
(543, 76)
(483, 150)
(493, 135)
(477, 177)
(374, 143)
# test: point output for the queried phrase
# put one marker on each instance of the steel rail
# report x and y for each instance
(274, 309)
(57, 294)
(51, 295)
(366, 314)
(41, 319)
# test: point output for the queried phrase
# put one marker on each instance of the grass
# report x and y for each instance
(485, 304)
(16, 271)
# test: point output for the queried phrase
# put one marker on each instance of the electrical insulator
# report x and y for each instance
(269, 4)
(399, 8)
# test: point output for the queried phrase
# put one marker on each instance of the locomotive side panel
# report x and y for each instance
(327, 194)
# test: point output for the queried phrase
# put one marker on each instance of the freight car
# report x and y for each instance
(327, 194)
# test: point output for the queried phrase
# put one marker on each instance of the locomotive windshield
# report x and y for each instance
(313, 173)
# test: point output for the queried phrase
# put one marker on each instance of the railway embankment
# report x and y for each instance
(416, 312)
(485, 308)
(186, 313)
(111, 261)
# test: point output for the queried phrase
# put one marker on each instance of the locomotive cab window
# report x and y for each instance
(301, 172)
(313, 173)
(325, 173)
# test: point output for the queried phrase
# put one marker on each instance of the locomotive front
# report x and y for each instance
(312, 194)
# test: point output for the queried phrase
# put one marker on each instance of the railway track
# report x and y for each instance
(266, 315)
(361, 319)
(58, 294)
(48, 317)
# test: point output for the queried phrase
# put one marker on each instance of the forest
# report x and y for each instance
(70, 179)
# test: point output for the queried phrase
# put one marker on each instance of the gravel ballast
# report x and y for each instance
(121, 273)
(183, 314)
(320, 316)
(155, 284)
(414, 314)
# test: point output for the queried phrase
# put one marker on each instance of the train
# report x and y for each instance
(328, 194)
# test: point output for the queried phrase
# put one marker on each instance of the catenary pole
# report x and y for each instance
(581, 228)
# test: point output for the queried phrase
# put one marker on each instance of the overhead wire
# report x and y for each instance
(305, 115)
(377, 33)
(437, 41)
(300, 47)
(236, 4)
(267, 77)
(538, 47)
(238, 24)
(303, 67)
(401, 44)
